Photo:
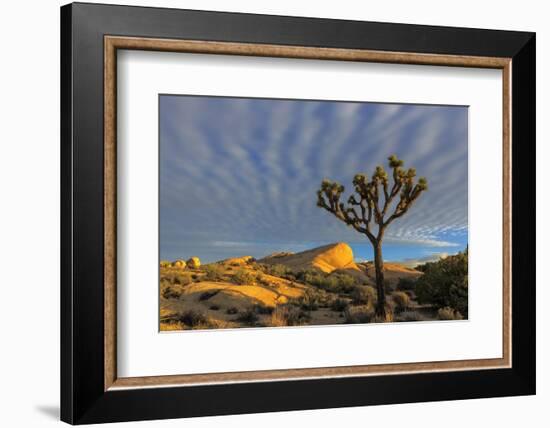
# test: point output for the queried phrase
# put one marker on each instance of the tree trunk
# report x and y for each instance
(380, 289)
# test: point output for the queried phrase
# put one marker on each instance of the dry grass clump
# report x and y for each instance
(310, 301)
(213, 272)
(288, 315)
(449, 314)
(175, 277)
(189, 320)
(401, 300)
(358, 314)
(171, 325)
(171, 293)
(363, 295)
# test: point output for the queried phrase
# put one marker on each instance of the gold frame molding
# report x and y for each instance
(113, 43)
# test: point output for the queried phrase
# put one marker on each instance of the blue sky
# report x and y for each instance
(238, 176)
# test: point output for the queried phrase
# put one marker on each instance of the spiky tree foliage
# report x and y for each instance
(377, 202)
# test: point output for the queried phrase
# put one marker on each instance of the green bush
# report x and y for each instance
(278, 270)
(345, 283)
(248, 317)
(335, 282)
(445, 283)
(244, 277)
(339, 305)
(310, 301)
(406, 284)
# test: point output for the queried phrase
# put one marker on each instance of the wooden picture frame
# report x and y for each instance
(91, 390)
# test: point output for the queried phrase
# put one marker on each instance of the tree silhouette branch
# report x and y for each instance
(367, 198)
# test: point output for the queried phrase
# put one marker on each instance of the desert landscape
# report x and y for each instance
(321, 286)
(283, 213)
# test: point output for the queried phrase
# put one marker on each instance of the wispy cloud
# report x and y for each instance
(246, 170)
(413, 262)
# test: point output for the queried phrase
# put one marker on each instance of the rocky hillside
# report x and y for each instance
(315, 287)
(327, 258)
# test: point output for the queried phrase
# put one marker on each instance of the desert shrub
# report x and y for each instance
(337, 282)
(248, 317)
(339, 305)
(243, 277)
(288, 315)
(207, 295)
(363, 295)
(310, 301)
(409, 316)
(388, 287)
(263, 310)
(448, 314)
(406, 284)
(213, 272)
(277, 270)
(165, 263)
(171, 293)
(445, 283)
(358, 314)
(401, 300)
(232, 310)
(309, 276)
(345, 283)
(193, 319)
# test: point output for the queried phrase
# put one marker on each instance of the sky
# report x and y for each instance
(238, 176)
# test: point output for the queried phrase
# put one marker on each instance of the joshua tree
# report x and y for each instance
(373, 204)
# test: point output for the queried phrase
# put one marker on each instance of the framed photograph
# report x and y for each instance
(266, 213)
